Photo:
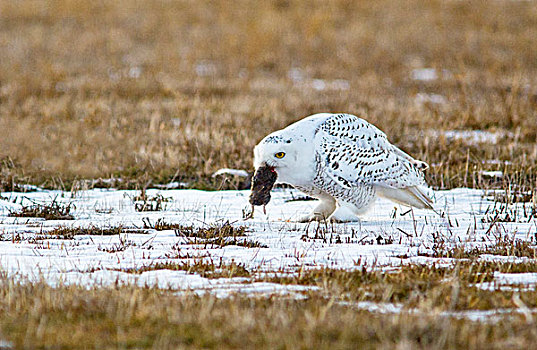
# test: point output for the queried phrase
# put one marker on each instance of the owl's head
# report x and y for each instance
(276, 152)
(275, 158)
(290, 153)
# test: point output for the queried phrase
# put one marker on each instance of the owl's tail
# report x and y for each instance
(414, 196)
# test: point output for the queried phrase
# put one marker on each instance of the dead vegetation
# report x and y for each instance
(121, 246)
(496, 241)
(49, 211)
(221, 230)
(503, 247)
(220, 235)
(144, 202)
(154, 93)
(11, 177)
(160, 225)
(136, 317)
(203, 267)
(501, 211)
(70, 232)
(413, 286)
(428, 287)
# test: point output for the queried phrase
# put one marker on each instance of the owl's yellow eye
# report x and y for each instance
(280, 155)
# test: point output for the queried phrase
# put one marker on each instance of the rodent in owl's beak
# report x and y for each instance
(264, 178)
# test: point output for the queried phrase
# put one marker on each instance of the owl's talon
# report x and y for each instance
(343, 214)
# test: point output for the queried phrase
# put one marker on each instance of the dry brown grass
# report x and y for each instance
(204, 268)
(160, 90)
(38, 316)
(422, 287)
(48, 211)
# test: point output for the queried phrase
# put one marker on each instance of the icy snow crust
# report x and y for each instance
(385, 235)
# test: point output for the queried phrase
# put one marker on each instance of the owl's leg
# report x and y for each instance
(349, 207)
(322, 211)
(345, 212)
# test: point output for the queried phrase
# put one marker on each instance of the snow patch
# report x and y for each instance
(423, 98)
(173, 185)
(228, 171)
(471, 136)
(5, 344)
(205, 68)
(388, 236)
(429, 74)
(491, 174)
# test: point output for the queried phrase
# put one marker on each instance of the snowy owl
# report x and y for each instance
(343, 161)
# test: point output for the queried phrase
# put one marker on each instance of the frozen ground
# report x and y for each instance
(388, 236)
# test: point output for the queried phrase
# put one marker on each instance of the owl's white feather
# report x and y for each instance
(345, 162)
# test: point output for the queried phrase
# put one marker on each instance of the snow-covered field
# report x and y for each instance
(388, 236)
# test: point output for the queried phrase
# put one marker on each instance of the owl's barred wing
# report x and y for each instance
(364, 134)
(353, 151)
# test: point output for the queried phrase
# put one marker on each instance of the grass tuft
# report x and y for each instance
(50, 211)
(502, 246)
(204, 268)
(160, 225)
(219, 235)
(143, 202)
